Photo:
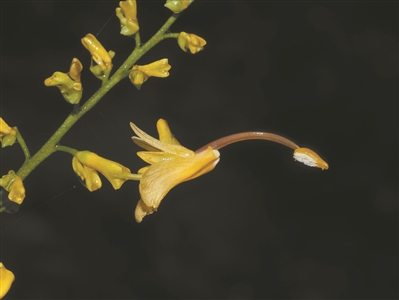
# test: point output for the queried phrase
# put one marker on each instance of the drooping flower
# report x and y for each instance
(98, 53)
(192, 42)
(86, 164)
(68, 83)
(177, 6)
(6, 279)
(127, 15)
(139, 74)
(7, 134)
(170, 165)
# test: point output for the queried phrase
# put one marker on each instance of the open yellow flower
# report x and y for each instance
(127, 15)
(68, 83)
(139, 74)
(7, 134)
(170, 165)
(192, 42)
(86, 164)
(6, 279)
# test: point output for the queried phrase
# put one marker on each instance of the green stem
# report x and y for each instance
(23, 145)
(66, 149)
(50, 146)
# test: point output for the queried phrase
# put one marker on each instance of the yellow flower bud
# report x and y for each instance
(7, 134)
(98, 53)
(127, 15)
(137, 78)
(14, 185)
(17, 191)
(116, 173)
(192, 42)
(6, 279)
(177, 5)
(86, 174)
(68, 83)
(139, 74)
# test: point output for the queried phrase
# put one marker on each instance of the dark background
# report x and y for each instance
(260, 226)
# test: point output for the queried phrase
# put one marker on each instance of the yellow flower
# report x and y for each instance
(177, 5)
(192, 42)
(17, 191)
(86, 164)
(170, 165)
(6, 279)
(69, 84)
(7, 134)
(310, 158)
(14, 185)
(139, 74)
(127, 15)
(98, 53)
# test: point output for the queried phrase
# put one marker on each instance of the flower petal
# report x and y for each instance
(161, 177)
(151, 143)
(155, 157)
(165, 135)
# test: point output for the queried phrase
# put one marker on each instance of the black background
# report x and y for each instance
(260, 226)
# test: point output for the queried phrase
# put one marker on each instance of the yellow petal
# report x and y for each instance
(98, 52)
(92, 179)
(75, 69)
(161, 177)
(17, 191)
(6, 279)
(158, 68)
(129, 9)
(116, 173)
(142, 210)
(155, 157)
(310, 158)
(5, 129)
(165, 135)
(151, 143)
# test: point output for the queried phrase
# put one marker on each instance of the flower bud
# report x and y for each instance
(7, 134)
(68, 83)
(127, 15)
(139, 74)
(177, 6)
(192, 42)
(6, 279)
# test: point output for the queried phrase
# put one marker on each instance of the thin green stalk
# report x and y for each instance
(22, 143)
(67, 149)
(50, 146)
